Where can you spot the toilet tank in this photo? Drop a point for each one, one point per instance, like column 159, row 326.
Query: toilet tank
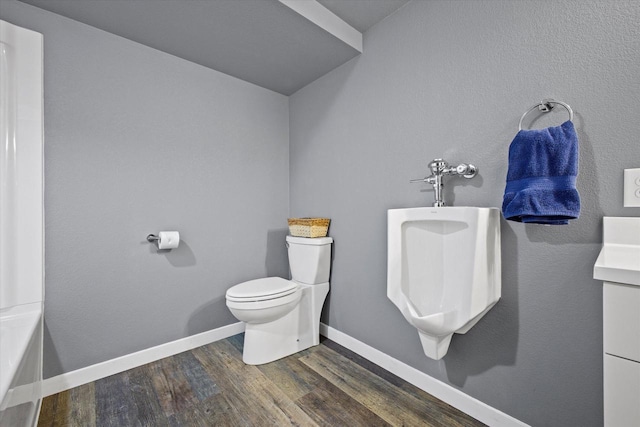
column 309, row 259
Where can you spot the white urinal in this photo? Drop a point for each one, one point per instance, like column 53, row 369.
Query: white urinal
column 444, row 269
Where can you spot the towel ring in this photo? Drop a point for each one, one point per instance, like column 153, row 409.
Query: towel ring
column 545, row 106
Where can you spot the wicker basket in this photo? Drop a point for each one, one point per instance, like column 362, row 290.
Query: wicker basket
column 309, row 227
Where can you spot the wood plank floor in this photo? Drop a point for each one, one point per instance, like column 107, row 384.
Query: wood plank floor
column 326, row 385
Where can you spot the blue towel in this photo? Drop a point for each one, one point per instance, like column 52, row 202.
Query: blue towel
column 541, row 181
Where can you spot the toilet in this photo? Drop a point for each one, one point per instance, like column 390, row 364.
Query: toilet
column 283, row 316
column 443, row 269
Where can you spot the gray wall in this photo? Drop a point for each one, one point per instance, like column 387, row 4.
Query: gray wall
column 138, row 141
column 451, row 79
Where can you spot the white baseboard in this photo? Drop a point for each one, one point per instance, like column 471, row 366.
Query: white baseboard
column 454, row 397
column 100, row 370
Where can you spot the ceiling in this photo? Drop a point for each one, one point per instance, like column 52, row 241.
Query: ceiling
column 362, row 14
column 264, row 42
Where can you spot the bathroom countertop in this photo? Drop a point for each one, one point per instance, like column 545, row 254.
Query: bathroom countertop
column 619, row 259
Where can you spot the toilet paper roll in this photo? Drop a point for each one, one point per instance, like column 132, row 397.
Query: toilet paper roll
column 168, row 239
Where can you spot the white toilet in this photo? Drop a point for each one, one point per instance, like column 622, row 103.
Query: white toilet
column 444, row 269
column 283, row 316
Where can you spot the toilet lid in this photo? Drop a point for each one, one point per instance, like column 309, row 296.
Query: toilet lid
column 261, row 289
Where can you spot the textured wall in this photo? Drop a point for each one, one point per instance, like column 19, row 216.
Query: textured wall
column 138, row 141
column 450, row 79
column 127, row 127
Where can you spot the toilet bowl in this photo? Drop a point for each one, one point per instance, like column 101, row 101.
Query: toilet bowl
column 444, row 270
column 263, row 300
column 283, row 316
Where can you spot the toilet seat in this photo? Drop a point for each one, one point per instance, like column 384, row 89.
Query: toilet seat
column 264, row 289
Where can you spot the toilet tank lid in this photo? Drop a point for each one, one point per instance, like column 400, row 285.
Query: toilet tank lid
column 316, row 241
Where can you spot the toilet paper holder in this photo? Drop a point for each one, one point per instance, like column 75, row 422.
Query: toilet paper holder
column 165, row 239
column 151, row 238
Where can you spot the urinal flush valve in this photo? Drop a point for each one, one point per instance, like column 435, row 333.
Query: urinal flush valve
column 439, row 168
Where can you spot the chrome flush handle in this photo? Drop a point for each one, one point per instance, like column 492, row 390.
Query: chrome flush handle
column 439, row 168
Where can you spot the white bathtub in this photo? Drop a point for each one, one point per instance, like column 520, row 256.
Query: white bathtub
column 18, row 325
column 21, row 225
column 20, row 364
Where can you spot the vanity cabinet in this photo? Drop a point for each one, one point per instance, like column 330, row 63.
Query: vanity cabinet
column 618, row 266
column 621, row 318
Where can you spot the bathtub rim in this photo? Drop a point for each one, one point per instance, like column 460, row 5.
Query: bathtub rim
column 18, row 325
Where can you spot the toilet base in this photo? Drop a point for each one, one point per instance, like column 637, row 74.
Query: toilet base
column 296, row 331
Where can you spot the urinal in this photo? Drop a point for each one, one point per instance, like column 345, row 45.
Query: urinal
column 444, row 269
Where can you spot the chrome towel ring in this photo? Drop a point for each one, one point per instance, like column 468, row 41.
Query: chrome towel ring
column 545, row 106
